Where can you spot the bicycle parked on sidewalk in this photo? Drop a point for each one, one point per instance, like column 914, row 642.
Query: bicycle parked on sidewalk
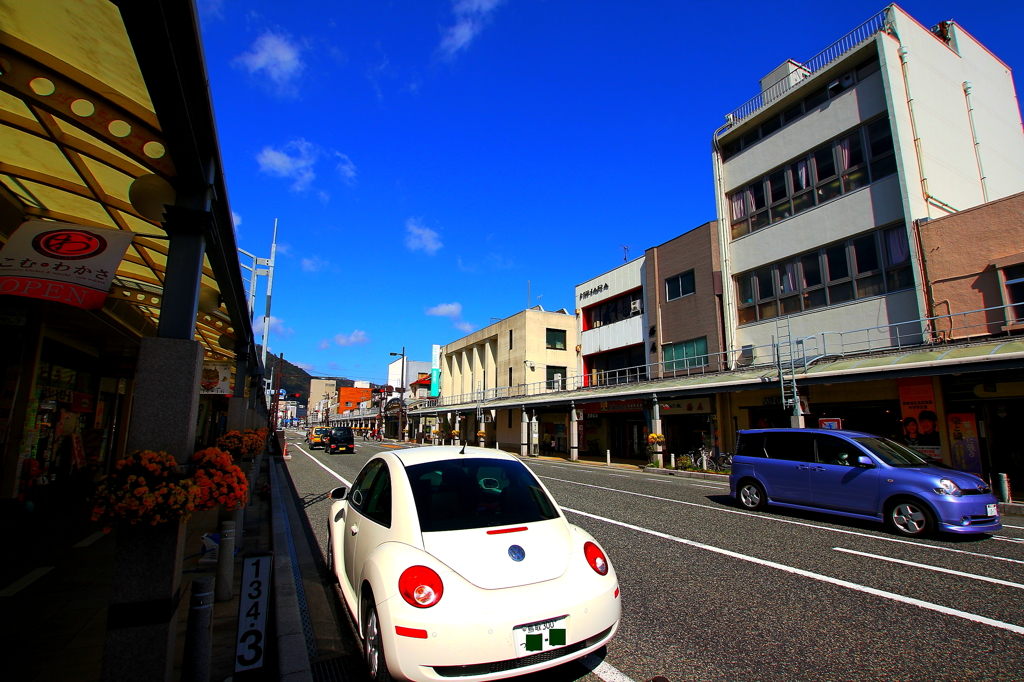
column 705, row 459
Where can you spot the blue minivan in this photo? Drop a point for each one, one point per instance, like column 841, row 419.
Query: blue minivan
column 861, row 476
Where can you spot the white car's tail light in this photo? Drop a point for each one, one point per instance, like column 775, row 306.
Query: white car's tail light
column 420, row 586
column 596, row 558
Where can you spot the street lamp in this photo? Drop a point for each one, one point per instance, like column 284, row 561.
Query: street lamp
column 401, row 395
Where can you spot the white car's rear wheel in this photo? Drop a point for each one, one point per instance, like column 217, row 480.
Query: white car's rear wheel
column 374, row 647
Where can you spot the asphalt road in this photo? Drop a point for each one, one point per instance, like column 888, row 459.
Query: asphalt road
column 711, row 592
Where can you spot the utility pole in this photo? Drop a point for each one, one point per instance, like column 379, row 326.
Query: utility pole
column 270, row 289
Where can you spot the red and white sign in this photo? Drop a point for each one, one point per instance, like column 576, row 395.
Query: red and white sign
column 834, row 424
column 62, row 262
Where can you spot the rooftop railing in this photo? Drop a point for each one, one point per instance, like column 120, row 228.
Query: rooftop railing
column 969, row 326
column 816, row 63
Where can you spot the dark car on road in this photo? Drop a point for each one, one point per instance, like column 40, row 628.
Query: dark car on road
column 862, row 476
column 339, row 439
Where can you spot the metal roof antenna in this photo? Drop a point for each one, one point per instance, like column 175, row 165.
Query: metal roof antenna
column 625, row 253
column 463, row 450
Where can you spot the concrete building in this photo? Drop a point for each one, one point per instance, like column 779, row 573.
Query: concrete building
column 611, row 323
column 820, row 177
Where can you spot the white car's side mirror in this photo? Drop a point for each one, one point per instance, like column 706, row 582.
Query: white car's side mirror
column 339, row 493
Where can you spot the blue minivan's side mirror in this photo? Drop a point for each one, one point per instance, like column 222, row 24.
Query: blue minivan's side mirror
column 865, row 461
column 339, row 493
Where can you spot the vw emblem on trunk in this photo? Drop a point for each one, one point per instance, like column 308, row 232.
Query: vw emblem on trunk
column 517, row 553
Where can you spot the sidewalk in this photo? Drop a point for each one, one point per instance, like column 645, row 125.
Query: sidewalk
column 55, row 589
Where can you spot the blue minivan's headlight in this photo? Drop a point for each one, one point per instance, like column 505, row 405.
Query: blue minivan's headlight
column 948, row 487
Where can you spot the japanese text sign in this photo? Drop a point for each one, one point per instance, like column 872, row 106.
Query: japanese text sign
column 62, row 262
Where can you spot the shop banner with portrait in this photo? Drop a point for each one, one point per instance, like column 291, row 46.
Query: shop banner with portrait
column 966, row 446
column 920, row 423
column 62, row 262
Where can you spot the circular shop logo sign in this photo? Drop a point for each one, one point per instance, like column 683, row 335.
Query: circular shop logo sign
column 68, row 244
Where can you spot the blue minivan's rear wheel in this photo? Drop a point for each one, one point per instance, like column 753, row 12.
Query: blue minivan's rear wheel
column 751, row 495
column 911, row 518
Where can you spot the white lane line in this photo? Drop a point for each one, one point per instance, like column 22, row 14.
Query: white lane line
column 702, row 485
column 816, row 576
column 26, row 580
column 1017, row 527
column 1019, row 541
column 932, row 568
column 795, row 523
column 620, row 475
column 323, row 466
column 606, row 671
column 91, row 539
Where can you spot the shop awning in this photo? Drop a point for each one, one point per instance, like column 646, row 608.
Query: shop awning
column 78, row 126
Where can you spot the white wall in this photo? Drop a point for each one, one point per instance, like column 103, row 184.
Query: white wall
column 624, row 278
column 628, row 332
column 880, row 311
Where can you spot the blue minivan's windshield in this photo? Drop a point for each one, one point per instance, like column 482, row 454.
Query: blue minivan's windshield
column 476, row 492
column 892, row 453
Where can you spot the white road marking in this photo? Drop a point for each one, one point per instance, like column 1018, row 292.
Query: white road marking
column 1017, row 629
column 322, row 465
column 606, row 671
column 1019, row 541
column 932, row 568
column 795, row 523
column 620, row 475
column 1017, row 527
column 91, row 539
column 702, row 485
column 26, row 580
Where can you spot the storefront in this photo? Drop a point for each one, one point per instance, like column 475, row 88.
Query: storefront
column 983, row 417
column 620, row 426
column 688, row 424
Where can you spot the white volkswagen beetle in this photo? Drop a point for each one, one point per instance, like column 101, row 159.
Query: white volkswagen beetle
column 459, row 564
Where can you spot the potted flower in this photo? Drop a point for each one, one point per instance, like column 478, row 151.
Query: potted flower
column 655, row 442
column 220, row 481
column 481, row 436
column 144, row 487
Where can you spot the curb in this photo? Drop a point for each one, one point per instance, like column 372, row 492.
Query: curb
column 292, row 654
column 1011, row 509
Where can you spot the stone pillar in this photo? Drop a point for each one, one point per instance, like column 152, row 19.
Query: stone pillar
column 142, row 619
column 534, row 435
column 656, row 428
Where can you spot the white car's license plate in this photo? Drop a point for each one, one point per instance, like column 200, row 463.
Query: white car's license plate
column 538, row 637
column 992, row 509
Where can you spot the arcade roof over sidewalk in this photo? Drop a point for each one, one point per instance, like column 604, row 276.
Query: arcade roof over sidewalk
column 95, row 97
column 990, row 355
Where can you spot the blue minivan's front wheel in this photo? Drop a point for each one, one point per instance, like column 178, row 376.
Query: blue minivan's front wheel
column 751, row 495
column 910, row 518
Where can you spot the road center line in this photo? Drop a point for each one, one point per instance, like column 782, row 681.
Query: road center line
column 322, row 465
column 790, row 521
column 91, row 539
column 1017, row 629
column 932, row 568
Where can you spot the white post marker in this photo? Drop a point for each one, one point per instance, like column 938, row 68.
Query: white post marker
column 250, row 645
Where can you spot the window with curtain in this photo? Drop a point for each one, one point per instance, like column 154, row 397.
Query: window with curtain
column 843, row 165
column 869, row 265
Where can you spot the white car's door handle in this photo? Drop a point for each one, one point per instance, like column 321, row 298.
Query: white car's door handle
column 354, row 528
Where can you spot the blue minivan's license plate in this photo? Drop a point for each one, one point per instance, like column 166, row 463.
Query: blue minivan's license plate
column 992, row 509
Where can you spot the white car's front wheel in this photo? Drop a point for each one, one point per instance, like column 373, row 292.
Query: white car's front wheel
column 374, row 647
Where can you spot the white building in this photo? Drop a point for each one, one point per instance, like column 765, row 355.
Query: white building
column 819, row 179
column 610, row 322
column 414, row 370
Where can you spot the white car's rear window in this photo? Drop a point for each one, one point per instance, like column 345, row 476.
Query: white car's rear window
column 476, row 492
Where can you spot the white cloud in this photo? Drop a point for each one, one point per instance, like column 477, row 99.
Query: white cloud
column 304, row 365
column 314, row 264
column 357, row 336
column 211, row 8
column 236, row 219
column 277, row 327
column 276, row 57
column 470, row 18
column 420, row 238
column 294, row 161
column 453, row 311
column 346, row 169
column 325, row 344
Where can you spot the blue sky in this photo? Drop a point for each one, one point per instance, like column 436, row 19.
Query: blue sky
column 426, row 159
